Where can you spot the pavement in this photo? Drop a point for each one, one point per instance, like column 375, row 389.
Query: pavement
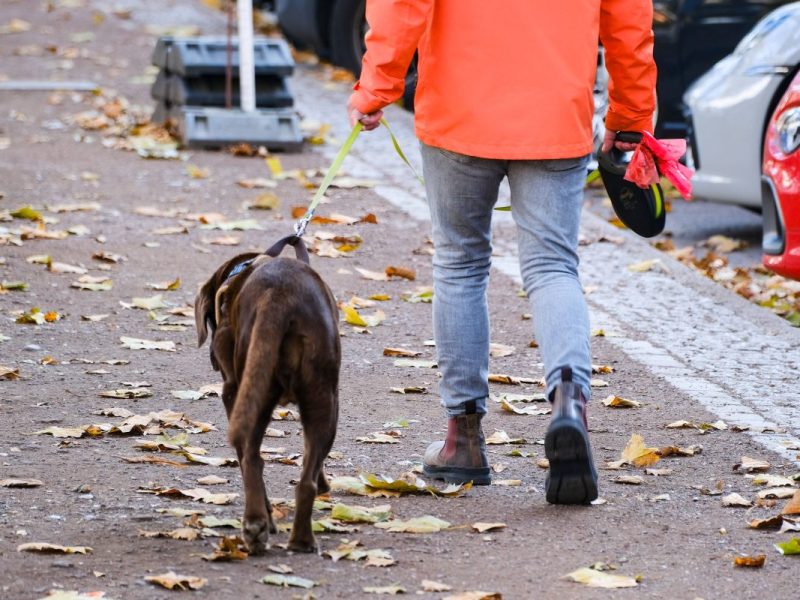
column 675, row 342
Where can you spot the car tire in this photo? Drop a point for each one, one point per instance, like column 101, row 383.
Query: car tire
column 348, row 26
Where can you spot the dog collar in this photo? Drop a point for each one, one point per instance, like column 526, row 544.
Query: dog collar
column 239, row 268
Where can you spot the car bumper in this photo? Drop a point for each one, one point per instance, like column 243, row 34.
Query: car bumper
column 781, row 241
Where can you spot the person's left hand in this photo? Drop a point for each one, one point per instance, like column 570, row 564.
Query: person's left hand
column 609, row 140
column 370, row 121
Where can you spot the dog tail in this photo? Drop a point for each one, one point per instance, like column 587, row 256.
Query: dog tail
column 254, row 398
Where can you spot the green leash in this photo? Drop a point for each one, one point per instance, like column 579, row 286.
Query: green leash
column 300, row 226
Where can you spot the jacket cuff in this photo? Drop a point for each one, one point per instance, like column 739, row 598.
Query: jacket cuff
column 365, row 102
column 617, row 122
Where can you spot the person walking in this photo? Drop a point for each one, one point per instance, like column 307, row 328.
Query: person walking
column 505, row 91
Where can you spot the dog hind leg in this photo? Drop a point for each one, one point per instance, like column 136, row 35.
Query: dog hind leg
column 319, row 426
column 252, row 411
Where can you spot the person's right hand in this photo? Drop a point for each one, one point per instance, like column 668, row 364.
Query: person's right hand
column 609, row 140
column 370, row 121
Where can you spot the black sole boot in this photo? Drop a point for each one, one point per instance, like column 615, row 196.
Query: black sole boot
column 572, row 478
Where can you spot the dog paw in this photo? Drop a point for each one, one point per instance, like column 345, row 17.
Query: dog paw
column 256, row 535
column 306, row 546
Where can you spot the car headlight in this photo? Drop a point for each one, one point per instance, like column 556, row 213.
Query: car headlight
column 788, row 126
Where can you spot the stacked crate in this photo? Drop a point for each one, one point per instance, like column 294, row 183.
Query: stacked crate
column 190, row 92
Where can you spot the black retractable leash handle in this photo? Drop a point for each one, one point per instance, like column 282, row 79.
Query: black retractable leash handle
column 640, row 209
column 300, row 250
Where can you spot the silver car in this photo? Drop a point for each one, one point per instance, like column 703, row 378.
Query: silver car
column 729, row 107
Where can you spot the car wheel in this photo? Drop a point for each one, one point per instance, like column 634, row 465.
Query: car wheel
column 348, row 28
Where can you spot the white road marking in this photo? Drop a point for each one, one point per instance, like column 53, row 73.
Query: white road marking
column 735, row 359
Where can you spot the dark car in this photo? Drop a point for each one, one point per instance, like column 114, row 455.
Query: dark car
column 691, row 36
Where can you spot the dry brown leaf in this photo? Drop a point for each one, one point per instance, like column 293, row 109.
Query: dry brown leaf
column 230, row 548
column 475, row 596
column 184, row 533
column 500, row 437
column 402, row 272
column 751, row 465
column 171, row 580
column 773, row 522
column 600, row 579
column 400, row 352
column 500, row 350
column 435, row 586
column 628, row 479
column 45, row 548
column 735, row 500
column 637, row 454
column 756, row 561
column 484, row 527
column 619, row 402
column 793, row 506
column 20, row 483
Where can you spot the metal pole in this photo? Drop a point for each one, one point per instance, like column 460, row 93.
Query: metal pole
column 247, row 74
column 229, row 58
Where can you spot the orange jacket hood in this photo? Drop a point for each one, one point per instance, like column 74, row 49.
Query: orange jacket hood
column 511, row 79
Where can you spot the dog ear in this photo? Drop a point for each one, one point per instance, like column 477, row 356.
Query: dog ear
column 204, row 309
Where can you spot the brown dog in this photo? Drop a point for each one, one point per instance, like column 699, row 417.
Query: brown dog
column 274, row 337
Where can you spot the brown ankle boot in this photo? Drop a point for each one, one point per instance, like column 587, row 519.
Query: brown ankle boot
column 461, row 458
column 572, row 478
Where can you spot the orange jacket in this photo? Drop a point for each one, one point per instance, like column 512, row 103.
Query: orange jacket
column 511, row 79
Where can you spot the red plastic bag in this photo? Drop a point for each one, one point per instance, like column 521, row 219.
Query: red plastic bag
column 653, row 157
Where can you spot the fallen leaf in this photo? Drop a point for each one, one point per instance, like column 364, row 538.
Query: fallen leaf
column 600, row 579
column 792, row 547
column 637, row 454
column 735, row 500
column 391, row 590
column 372, row 275
column 750, row 561
column 628, row 479
column 45, row 548
column 154, row 460
column 435, row 586
column 172, row 580
column 793, row 506
column 645, row 265
column 378, row 438
column 475, row 596
column 8, row 373
column 483, row 527
column 618, row 402
column 94, row 318
column 127, row 393
column 751, row 465
column 93, row 284
column 20, row 483
column 416, row 363
column 184, row 533
column 137, row 344
column 165, row 286
column 258, row 182
column 724, row 244
column 212, row 521
column 230, row 548
column 658, row 472
column 773, row 522
column 267, row 201
column 108, row 257
column 361, row 514
column 681, row 425
column 426, row 524
column 352, row 317
column 777, row 493
column 288, row 581
column 400, row 352
column 422, row 294
column 409, row 390
column 402, row 272
column 241, row 225
column 199, row 494
column 525, row 409
column 187, row 394
column 196, row 172
column 500, row 350
column 500, row 437
column 409, row 483
column 678, row 451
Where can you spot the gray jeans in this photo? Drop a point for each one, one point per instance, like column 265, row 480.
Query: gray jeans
column 546, row 199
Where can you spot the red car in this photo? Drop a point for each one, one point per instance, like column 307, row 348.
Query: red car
column 781, row 186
